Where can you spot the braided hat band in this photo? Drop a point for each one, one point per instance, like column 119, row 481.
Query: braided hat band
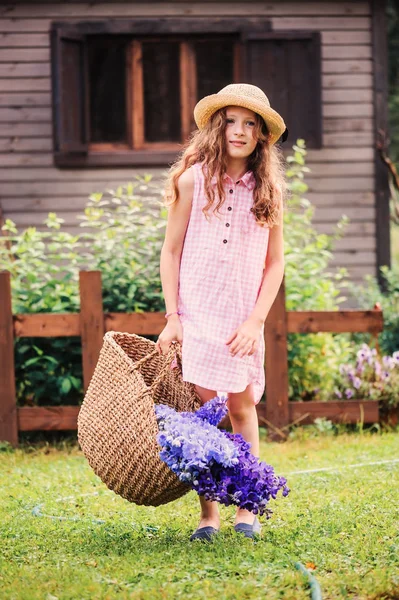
column 247, row 96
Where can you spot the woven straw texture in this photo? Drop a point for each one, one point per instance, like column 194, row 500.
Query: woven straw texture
column 245, row 95
column 117, row 426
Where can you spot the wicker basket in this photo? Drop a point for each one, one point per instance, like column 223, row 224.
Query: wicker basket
column 117, row 426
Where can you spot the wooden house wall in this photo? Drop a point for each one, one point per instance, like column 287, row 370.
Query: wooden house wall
column 342, row 173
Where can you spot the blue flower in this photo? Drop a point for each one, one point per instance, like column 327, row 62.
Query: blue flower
column 215, row 463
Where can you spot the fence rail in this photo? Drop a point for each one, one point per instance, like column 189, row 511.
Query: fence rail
column 92, row 323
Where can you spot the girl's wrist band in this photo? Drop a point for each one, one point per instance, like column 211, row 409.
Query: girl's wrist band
column 176, row 312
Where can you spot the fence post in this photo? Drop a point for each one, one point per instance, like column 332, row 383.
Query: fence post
column 8, row 397
column 276, row 362
column 91, row 321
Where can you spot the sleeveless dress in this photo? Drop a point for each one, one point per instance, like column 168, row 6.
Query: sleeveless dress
column 221, row 271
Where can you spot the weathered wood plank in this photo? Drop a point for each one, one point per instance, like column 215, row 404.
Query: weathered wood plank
column 340, row 411
column 333, row 125
column 360, row 271
column 28, row 114
column 48, row 418
column 322, row 23
column 91, row 321
column 345, row 184
column 17, row 144
column 353, row 229
column 341, row 169
column 25, row 99
column 342, row 199
column 66, row 325
column 346, row 38
column 347, row 66
column 366, row 321
column 8, row 396
column 26, row 84
column 336, row 96
column 346, row 52
column 28, row 160
column 15, row 69
column 332, row 213
column 354, row 258
column 349, row 110
column 46, row 325
column 276, row 362
column 58, row 418
column 141, row 324
column 348, row 139
column 105, row 176
column 337, row 12
column 43, row 205
column 338, row 155
column 24, row 55
column 26, row 129
column 23, row 40
column 356, row 243
column 352, row 80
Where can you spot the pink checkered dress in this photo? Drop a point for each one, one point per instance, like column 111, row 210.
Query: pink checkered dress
column 220, row 277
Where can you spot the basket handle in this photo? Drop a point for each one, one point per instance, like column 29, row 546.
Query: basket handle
column 173, row 352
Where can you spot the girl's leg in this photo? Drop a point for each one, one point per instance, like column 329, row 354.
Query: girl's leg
column 244, row 420
column 209, row 510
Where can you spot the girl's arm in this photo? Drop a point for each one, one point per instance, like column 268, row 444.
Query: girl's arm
column 178, row 218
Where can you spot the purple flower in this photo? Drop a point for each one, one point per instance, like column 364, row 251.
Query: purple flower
column 215, row 463
column 357, row 382
column 348, row 393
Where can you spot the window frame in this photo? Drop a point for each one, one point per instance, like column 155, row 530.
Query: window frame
column 162, row 153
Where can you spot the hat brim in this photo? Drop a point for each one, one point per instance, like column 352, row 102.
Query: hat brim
column 206, row 107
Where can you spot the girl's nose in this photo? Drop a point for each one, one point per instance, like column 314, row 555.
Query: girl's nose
column 238, row 129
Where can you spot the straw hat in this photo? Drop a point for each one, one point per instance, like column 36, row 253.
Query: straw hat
column 247, row 96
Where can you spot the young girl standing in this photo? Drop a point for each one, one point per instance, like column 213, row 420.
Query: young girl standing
column 222, row 261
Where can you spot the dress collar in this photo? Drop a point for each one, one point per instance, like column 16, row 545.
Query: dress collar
column 248, row 179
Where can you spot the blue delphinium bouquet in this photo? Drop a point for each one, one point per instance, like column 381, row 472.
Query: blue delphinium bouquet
column 215, row 463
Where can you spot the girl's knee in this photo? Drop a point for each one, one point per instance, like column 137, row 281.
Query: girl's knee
column 205, row 394
column 241, row 405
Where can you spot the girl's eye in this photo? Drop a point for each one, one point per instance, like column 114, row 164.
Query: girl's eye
column 230, row 120
column 251, row 123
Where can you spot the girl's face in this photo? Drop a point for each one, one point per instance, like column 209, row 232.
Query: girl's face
column 240, row 132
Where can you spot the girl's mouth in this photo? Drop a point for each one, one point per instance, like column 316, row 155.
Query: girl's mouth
column 238, row 144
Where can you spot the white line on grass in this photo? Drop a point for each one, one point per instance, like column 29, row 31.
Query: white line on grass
column 339, row 468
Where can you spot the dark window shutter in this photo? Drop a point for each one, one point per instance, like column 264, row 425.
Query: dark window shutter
column 69, row 82
column 287, row 67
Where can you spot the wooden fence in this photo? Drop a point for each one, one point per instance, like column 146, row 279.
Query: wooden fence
column 91, row 324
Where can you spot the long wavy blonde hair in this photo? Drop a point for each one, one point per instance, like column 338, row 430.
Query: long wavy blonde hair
column 208, row 146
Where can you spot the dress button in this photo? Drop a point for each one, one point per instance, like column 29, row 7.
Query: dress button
column 231, row 191
column 227, row 224
column 224, row 241
column 229, row 208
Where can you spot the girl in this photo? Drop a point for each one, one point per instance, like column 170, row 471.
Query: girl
column 222, row 260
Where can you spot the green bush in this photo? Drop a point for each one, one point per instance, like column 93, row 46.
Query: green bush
column 123, row 238
column 369, row 294
column 313, row 359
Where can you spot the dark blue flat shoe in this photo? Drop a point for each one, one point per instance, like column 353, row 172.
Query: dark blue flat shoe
column 204, row 533
column 250, row 531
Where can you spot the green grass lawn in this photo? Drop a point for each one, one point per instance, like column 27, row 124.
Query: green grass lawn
column 345, row 521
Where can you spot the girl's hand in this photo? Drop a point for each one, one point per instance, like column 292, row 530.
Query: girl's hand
column 173, row 331
column 245, row 339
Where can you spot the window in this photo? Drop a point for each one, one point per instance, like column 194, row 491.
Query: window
column 124, row 92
